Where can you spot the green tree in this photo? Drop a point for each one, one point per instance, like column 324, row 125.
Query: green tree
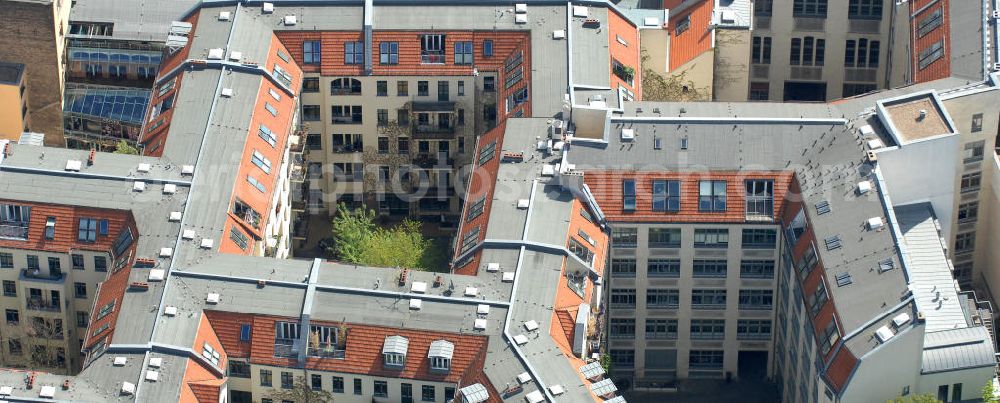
column 123, row 147
column 301, row 392
column 925, row 398
column 358, row 240
column 990, row 393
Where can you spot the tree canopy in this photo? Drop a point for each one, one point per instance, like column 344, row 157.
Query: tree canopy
column 124, row 148
column 358, row 240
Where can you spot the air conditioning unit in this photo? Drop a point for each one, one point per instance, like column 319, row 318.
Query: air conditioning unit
column 268, row 8
column 628, row 134
column 290, row 20
column 996, row 14
column 225, row 16
column 875, row 223
column 864, row 187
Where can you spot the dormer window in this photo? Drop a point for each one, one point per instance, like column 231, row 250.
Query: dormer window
column 394, row 351
column 440, row 355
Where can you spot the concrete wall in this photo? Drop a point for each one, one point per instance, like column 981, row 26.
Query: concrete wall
column 883, row 373
column 923, row 172
column 972, row 381
column 732, row 62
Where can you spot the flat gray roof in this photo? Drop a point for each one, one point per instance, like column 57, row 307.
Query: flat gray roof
column 957, row 349
column 142, row 20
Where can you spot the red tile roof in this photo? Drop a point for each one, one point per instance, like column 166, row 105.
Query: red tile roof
column 363, row 348
column 481, row 185
column 607, row 189
column 227, row 327
column 67, row 227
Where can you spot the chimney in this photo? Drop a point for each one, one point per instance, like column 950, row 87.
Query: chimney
column 923, row 114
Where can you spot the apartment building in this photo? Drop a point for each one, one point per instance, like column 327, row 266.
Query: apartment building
column 113, row 54
column 34, row 35
column 14, row 97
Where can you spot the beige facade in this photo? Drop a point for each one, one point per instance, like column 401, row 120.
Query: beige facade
column 62, row 296
column 802, row 50
column 412, row 130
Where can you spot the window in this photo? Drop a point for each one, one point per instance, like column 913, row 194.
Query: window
column 239, row 238
column 712, row 196
column 388, row 53
column 829, row 336
column 623, row 297
column 245, row 331
column 346, row 114
column 403, row 145
column 489, row 84
column 622, row 358
column 973, row 151
column 382, row 117
column 381, row 389
column 759, row 198
column 624, row 237
column 763, row 8
column 9, row 288
column 82, row 318
column 666, row 195
column 663, row 329
column 470, row 240
column 488, row 47
column 423, row 88
column 270, row 109
column 753, row 329
column 261, row 161
column 756, row 299
column 818, row 299
column 310, row 113
column 80, row 290
column 432, row 48
column 968, row 212
column 265, row 377
column 314, row 141
column 761, row 51
column 381, row 88
column 628, row 195
column 338, row 384
column 13, row 317
column 580, row 251
column 664, row 237
column 461, row 88
column 709, row 268
column 759, row 238
column 930, row 22
column 626, row 73
column 711, row 329
column 970, row 182
column 965, row 242
column 357, row 386
column 623, row 267
column 705, row 359
column 33, row 262
column 851, row 90
column 310, row 84
column 931, row 54
column 345, row 86
column 310, row 52
column 708, row 299
column 50, row 228
column 383, row 145
column 810, row 8
column 861, row 53
column 977, row 123
column 808, row 51
column 88, row 230
column 711, row 238
column 6, row 260
column 807, row 262
column 265, row 133
column 427, row 393
column 662, row 298
column 621, row 328
column 463, row 52
column 760, row 91
column 100, row 263
column 757, row 269
column 286, row 380
column 239, row 369
column 865, row 9
column 354, row 52
column 682, row 25
column 663, row 268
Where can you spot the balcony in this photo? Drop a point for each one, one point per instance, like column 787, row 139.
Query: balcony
column 429, row 131
column 40, row 304
column 354, row 119
column 284, row 348
column 14, row 230
column 432, row 57
column 327, row 350
column 39, row 275
column 296, row 170
column 433, row 107
column 343, row 148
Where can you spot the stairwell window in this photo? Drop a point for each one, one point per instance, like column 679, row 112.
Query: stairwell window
column 354, row 52
column 930, row 54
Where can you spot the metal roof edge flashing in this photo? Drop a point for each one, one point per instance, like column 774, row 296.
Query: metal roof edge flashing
column 53, row 172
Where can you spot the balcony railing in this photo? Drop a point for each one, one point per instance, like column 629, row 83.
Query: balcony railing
column 38, row 274
column 340, row 148
column 14, row 230
column 347, row 119
column 38, row 304
column 432, row 130
column 284, row 348
column 327, row 350
column 432, row 57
